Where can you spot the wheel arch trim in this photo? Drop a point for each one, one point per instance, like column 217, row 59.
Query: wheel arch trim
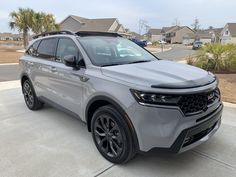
column 119, row 109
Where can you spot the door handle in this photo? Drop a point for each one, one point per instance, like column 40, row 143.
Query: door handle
column 81, row 77
column 53, row 69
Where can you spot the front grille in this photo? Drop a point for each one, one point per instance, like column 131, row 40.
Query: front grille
column 196, row 103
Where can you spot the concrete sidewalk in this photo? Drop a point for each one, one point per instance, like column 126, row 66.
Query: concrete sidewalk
column 50, row 143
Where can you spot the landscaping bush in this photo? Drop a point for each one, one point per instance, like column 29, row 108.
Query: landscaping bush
column 217, row 58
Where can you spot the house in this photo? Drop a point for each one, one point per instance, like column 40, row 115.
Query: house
column 135, row 35
column 175, row 34
column 154, row 35
column 205, row 36
column 6, row 37
column 11, row 37
column 228, row 34
column 76, row 23
column 216, row 34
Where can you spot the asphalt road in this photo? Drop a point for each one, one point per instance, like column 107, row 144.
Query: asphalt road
column 9, row 72
column 49, row 143
column 177, row 53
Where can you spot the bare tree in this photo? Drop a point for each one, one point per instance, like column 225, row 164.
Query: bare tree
column 143, row 26
column 176, row 22
column 196, row 25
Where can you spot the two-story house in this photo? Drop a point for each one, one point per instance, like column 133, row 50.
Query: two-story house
column 228, row 34
column 175, row 34
column 76, row 23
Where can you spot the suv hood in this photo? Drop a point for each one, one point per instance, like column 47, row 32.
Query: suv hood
column 160, row 74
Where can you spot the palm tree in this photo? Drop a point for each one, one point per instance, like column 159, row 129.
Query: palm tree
column 49, row 23
column 38, row 20
column 22, row 21
column 43, row 22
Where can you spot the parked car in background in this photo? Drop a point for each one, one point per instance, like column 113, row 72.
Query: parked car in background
column 162, row 42
column 139, row 42
column 131, row 100
column 197, row 45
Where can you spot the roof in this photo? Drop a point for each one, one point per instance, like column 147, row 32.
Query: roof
column 102, row 24
column 199, row 34
column 204, row 34
column 97, row 24
column 232, row 29
column 136, row 35
column 154, row 31
column 80, row 19
column 168, row 29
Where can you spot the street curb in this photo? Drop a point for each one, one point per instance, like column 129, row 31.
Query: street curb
column 182, row 61
column 6, row 85
column 232, row 105
column 5, row 64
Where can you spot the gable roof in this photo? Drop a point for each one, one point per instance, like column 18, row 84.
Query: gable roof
column 100, row 24
column 79, row 19
column 154, row 31
column 232, row 29
column 169, row 29
column 96, row 24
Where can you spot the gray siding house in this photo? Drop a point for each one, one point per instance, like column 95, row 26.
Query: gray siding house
column 154, row 35
column 76, row 23
column 175, row 34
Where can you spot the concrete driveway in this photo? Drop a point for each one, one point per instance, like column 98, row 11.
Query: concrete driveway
column 51, row 143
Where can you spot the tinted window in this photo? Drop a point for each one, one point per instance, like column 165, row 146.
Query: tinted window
column 47, row 48
column 32, row 51
column 66, row 47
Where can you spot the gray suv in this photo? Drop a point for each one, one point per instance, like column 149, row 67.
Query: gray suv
column 131, row 100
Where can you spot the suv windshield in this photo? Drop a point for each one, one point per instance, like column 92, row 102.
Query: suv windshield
column 107, row 51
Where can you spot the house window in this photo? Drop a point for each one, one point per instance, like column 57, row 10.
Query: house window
column 226, row 32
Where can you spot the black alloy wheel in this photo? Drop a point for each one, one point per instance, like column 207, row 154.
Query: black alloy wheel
column 111, row 135
column 108, row 135
column 30, row 97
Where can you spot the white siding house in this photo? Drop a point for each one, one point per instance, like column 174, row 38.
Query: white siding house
column 228, row 34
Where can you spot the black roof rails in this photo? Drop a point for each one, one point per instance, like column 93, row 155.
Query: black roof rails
column 53, row 33
column 96, row 33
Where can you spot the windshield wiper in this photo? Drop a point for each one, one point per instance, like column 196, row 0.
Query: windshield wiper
column 139, row 61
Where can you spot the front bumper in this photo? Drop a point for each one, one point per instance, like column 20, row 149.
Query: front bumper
column 168, row 130
column 194, row 136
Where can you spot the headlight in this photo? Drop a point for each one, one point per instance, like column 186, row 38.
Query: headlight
column 154, row 98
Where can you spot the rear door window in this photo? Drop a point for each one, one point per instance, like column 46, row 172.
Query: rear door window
column 47, row 48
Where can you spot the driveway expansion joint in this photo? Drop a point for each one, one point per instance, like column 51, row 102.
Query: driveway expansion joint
column 214, row 159
column 103, row 171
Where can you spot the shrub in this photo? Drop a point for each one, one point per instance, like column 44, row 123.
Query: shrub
column 216, row 58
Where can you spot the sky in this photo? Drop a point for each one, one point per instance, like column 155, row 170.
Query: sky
column 157, row 13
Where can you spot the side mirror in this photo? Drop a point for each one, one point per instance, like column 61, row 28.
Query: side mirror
column 70, row 60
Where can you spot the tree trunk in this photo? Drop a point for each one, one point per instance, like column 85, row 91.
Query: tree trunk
column 25, row 38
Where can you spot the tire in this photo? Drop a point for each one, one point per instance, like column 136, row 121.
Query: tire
column 31, row 100
column 112, row 135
